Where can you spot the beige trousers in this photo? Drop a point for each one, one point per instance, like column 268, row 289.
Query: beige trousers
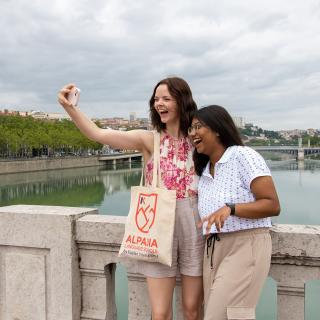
column 234, row 276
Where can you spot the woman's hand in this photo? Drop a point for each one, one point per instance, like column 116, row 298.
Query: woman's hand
column 218, row 218
column 62, row 95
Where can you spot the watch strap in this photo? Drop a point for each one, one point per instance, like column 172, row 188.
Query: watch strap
column 232, row 207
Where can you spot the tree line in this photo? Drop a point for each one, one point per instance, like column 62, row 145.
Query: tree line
column 27, row 137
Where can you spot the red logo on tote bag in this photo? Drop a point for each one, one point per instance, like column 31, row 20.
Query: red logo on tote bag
column 146, row 211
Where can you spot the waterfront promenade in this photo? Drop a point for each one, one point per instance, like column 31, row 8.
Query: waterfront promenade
column 40, row 164
column 60, row 262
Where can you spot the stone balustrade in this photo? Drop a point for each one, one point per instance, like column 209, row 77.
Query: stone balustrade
column 60, row 262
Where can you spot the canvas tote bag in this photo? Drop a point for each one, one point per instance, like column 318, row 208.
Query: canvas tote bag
column 150, row 223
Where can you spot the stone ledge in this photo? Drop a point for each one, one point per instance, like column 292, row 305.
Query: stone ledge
column 52, row 210
column 298, row 242
column 100, row 229
column 31, row 225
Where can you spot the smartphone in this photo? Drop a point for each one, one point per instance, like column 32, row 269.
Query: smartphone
column 73, row 96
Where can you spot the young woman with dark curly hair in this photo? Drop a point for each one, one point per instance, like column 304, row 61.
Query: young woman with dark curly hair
column 236, row 198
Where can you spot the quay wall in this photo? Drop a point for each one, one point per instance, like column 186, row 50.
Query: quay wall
column 60, row 263
column 26, row 165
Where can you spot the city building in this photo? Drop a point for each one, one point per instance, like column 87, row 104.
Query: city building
column 113, row 122
column 7, row 112
column 132, row 116
column 48, row 116
column 36, row 114
column 239, row 122
column 311, row 132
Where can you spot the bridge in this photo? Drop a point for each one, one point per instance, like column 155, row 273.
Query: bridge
column 298, row 151
column 122, row 157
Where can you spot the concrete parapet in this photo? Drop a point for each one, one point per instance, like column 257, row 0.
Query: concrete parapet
column 296, row 244
column 39, row 274
column 295, row 260
column 65, row 260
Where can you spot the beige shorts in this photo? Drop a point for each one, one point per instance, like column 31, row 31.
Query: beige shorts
column 233, row 279
column 187, row 248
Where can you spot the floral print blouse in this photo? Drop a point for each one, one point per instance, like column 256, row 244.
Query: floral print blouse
column 176, row 166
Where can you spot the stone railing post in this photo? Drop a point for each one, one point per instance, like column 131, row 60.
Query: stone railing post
column 99, row 239
column 290, row 292
column 139, row 306
column 295, row 260
column 39, row 273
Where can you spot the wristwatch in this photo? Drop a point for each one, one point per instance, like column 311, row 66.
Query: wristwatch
column 232, row 207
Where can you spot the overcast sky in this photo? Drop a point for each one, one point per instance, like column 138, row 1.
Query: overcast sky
column 259, row 59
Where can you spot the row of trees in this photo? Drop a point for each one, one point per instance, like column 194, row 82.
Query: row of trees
column 26, row 137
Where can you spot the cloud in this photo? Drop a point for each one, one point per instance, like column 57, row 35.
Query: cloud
column 258, row 59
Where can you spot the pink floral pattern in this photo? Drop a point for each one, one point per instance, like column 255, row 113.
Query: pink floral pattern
column 176, row 166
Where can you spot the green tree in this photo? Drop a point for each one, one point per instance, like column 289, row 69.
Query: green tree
column 22, row 136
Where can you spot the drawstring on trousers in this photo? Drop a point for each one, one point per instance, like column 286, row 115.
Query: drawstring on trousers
column 210, row 242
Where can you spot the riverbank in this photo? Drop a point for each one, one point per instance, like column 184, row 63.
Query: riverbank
column 28, row 165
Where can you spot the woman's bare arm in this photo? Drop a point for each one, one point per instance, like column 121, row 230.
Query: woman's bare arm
column 141, row 140
column 266, row 204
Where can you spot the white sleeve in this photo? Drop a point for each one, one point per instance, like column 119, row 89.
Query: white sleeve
column 251, row 166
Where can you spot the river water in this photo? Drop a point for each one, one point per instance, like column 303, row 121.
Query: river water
column 108, row 189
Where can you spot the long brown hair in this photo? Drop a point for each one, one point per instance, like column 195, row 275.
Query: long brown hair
column 181, row 92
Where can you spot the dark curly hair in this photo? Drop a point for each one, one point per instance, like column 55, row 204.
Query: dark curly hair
column 218, row 120
column 181, row 92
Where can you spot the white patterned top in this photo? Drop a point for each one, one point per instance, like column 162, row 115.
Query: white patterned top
column 233, row 174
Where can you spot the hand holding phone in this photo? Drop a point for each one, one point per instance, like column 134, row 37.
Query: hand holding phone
column 73, row 96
